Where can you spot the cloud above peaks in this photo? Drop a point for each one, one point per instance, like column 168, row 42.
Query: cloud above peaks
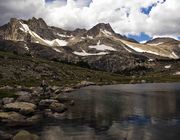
column 153, row 17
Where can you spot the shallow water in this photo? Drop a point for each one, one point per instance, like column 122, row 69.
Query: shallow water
column 120, row 112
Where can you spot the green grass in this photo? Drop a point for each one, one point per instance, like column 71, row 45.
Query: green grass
column 28, row 71
column 7, row 93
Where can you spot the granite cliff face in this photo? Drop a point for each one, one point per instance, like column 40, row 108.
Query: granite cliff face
column 97, row 48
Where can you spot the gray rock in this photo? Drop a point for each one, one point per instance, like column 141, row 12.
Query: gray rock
column 46, row 103
column 11, row 118
column 84, row 84
column 7, row 87
column 33, row 120
column 72, row 102
column 58, row 107
column 22, row 107
column 7, row 100
column 24, row 98
column 67, row 89
column 62, row 98
column 21, row 93
column 16, row 119
column 55, row 115
column 25, row 135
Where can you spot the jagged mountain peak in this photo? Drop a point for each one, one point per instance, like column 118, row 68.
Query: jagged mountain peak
column 34, row 22
column 104, row 28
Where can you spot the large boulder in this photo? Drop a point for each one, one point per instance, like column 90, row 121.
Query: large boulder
column 62, row 98
column 24, row 98
column 58, row 107
column 22, row 107
column 25, row 135
column 16, row 119
column 11, row 118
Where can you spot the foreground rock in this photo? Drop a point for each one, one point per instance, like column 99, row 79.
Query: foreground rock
column 11, row 117
column 22, row 107
column 25, row 135
column 16, row 119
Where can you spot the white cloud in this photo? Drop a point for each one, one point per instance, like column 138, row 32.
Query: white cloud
column 125, row 16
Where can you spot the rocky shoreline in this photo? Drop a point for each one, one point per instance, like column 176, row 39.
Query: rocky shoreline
column 32, row 105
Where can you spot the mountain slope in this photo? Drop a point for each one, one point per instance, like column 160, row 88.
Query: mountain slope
column 99, row 47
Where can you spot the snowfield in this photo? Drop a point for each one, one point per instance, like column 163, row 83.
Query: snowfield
column 102, row 47
column 37, row 38
column 84, row 53
column 141, row 50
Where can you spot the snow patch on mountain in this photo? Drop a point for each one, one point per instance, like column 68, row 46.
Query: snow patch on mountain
column 155, row 44
column 177, row 73
column 62, row 35
column 172, row 55
column 102, row 47
column 57, row 50
column 84, row 53
column 37, row 38
column 90, row 37
column 167, row 66
column 26, row 47
column 105, row 32
column 127, row 49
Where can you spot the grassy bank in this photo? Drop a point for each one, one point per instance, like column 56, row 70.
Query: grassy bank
column 28, row 71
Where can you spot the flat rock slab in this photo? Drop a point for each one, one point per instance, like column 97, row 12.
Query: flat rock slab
column 22, row 107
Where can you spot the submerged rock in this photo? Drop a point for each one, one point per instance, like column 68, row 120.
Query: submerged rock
column 62, row 98
column 58, row 107
column 22, row 107
column 25, row 135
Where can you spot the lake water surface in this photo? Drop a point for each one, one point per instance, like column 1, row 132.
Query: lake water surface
column 120, row 112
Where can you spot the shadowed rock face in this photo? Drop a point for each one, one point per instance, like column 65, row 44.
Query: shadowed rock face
column 94, row 31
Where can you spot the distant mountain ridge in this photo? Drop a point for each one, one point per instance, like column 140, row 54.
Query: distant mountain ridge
column 100, row 47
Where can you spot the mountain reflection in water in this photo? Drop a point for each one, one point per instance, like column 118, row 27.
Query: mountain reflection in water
column 120, row 112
